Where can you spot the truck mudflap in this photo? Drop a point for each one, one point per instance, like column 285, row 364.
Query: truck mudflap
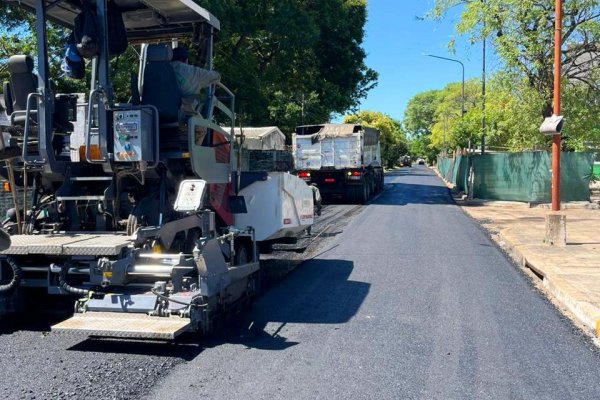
column 125, row 325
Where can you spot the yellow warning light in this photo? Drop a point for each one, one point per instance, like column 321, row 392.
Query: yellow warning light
column 94, row 153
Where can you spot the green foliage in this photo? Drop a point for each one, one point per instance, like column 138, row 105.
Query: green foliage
column 420, row 147
column 512, row 116
column 274, row 53
column 517, row 97
column 393, row 138
column 419, row 115
column 523, row 36
column 448, row 129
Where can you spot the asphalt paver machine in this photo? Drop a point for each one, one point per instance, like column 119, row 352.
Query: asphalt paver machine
column 138, row 212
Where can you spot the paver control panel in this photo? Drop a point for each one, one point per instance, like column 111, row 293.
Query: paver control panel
column 133, row 135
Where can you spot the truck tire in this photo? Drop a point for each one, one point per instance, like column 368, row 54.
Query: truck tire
column 349, row 196
column 361, row 194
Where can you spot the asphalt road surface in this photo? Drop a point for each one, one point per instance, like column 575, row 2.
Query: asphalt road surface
column 410, row 300
column 403, row 298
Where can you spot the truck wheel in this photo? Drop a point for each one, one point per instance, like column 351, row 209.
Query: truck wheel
column 350, row 195
column 361, row 194
column 242, row 254
column 365, row 195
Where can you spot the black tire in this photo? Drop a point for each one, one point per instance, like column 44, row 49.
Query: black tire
column 242, row 254
column 361, row 194
column 350, row 196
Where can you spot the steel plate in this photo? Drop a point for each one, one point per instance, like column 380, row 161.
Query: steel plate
column 124, row 325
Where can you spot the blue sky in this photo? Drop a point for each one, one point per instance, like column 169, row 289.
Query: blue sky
column 395, row 41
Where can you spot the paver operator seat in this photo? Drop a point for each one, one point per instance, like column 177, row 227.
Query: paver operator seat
column 22, row 83
column 160, row 87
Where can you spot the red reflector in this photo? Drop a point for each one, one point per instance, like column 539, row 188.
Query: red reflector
column 329, row 180
column 287, row 221
column 355, row 173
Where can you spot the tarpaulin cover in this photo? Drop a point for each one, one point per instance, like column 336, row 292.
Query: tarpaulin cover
column 520, row 176
column 527, row 177
column 325, row 131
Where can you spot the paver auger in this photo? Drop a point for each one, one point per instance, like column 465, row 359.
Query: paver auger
column 139, row 213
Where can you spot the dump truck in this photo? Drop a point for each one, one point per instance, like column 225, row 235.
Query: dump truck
column 140, row 215
column 342, row 160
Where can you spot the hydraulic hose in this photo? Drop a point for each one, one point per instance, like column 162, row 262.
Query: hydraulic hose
column 16, row 279
column 62, row 281
column 183, row 303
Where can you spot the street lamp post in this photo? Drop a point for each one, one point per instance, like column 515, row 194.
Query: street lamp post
column 462, row 111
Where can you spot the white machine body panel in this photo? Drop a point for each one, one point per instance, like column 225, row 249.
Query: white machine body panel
column 278, row 207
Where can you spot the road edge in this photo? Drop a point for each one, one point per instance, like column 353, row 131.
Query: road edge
column 585, row 315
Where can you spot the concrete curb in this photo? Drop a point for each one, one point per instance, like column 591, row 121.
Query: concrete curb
column 587, row 314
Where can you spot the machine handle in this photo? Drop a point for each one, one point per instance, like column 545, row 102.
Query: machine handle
column 27, row 116
column 156, row 136
column 88, row 129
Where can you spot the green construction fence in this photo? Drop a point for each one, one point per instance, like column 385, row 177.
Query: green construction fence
column 519, row 176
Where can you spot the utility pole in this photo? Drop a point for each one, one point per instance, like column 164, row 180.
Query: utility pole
column 556, row 138
column 483, row 90
column 462, row 66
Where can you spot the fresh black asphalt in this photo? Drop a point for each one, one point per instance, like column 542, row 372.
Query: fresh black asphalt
column 406, row 299
column 411, row 300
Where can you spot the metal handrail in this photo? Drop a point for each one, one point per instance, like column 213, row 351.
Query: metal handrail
column 230, row 93
column 156, row 136
column 88, row 130
column 26, row 128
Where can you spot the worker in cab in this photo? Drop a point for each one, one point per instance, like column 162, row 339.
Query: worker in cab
column 191, row 80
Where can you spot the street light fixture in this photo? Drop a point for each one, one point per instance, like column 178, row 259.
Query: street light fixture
column 462, row 113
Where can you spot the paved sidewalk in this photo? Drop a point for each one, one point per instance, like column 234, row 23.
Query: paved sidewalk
column 571, row 273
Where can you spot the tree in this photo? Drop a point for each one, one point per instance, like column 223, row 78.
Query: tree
column 419, row 115
column 449, row 130
column 420, row 147
column 17, row 36
column 275, row 53
column 523, row 35
column 271, row 53
column 393, row 138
